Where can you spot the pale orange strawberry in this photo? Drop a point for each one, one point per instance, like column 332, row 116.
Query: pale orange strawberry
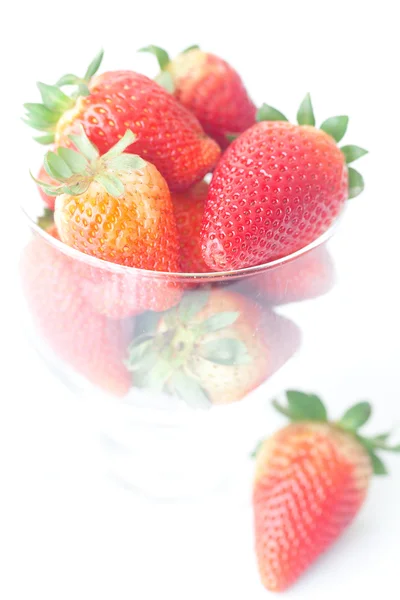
column 117, row 208
column 214, row 347
column 311, row 480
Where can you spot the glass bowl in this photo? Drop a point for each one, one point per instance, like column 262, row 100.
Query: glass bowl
column 176, row 369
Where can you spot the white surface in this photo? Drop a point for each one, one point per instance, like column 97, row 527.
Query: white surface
column 65, row 532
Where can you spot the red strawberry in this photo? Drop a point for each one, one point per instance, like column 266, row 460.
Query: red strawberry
column 43, row 176
column 210, row 88
column 91, row 344
column 307, row 276
column 311, row 479
column 277, row 188
column 216, row 346
column 168, row 135
column 189, row 209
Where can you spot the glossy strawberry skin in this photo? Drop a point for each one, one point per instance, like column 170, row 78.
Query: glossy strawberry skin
column 43, row 176
column 311, row 480
column 277, row 188
column 189, row 209
column 136, row 229
column 168, row 135
column 210, row 88
column 92, row 345
column 305, row 277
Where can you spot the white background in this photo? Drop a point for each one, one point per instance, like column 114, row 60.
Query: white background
column 65, row 532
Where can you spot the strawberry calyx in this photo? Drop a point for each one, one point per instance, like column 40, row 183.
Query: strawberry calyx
column 76, row 169
column 164, row 78
column 303, row 406
column 46, row 115
column 336, row 127
column 46, row 220
column 164, row 358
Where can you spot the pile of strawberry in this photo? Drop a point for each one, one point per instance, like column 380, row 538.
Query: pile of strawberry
column 127, row 170
column 277, row 186
column 125, row 182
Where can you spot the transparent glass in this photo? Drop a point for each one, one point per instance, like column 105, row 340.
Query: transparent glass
column 177, row 368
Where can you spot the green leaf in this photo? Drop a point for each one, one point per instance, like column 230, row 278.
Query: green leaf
column 111, row 184
column 170, row 317
column 47, row 219
column 256, row 450
column 126, row 162
column 137, row 353
column 335, row 127
column 159, row 374
column 45, row 139
column 75, row 161
column 356, row 416
column 166, row 81
column 226, row 351
column 378, row 466
column 51, row 190
column 160, row 54
column 268, row 113
column 352, row 153
column 54, row 99
column 305, row 114
column 356, row 183
column 305, row 407
column 282, row 409
column 68, row 80
column 382, row 437
column 82, row 90
column 191, row 304
column 56, row 167
column 40, row 113
column 219, row 321
column 189, row 48
column 231, row 137
column 94, row 65
column 118, row 148
column 75, row 189
column 189, row 390
column 84, row 145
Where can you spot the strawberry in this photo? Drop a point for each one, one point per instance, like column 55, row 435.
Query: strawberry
column 210, row 88
column 215, row 347
column 277, row 188
column 117, row 207
column 43, row 176
column 91, row 344
column 308, row 276
column 311, row 480
column 168, row 135
column 189, row 209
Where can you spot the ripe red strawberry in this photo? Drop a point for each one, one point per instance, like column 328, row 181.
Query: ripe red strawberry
column 43, row 176
column 307, row 276
column 210, row 88
column 189, row 209
column 168, row 135
column 277, row 188
column 216, row 346
column 311, row 479
column 91, row 344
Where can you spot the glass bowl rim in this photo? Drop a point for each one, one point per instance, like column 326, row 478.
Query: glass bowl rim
column 211, row 275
